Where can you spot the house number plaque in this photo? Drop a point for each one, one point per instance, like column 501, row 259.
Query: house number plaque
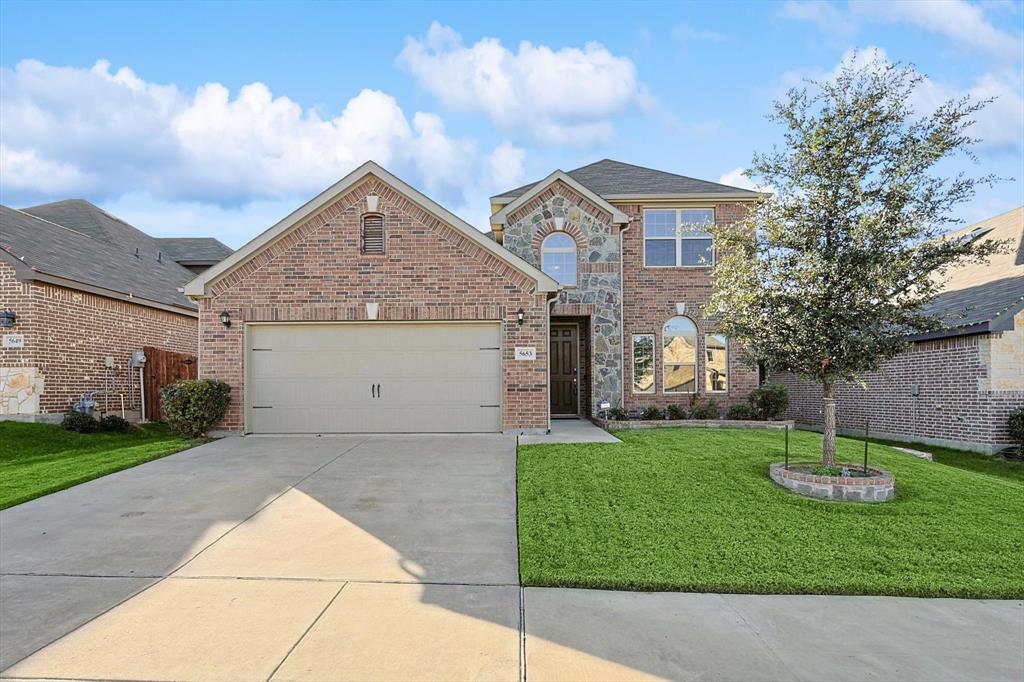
column 526, row 353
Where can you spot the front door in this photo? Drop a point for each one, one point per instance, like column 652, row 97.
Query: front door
column 565, row 370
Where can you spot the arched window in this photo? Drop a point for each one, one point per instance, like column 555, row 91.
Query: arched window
column 679, row 355
column 371, row 233
column 558, row 258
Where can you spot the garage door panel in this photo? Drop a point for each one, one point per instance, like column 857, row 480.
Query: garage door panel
column 316, row 378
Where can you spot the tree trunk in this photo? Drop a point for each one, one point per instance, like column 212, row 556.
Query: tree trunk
column 828, row 437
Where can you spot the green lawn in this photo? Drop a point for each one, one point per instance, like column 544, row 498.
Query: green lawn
column 962, row 459
column 38, row 459
column 694, row 510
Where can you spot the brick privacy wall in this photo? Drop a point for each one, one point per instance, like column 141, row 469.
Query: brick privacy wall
column 953, row 404
column 649, row 300
column 430, row 271
column 69, row 333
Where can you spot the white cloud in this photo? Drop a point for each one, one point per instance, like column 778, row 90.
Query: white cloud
column 999, row 126
column 566, row 96
column 736, row 178
column 505, row 166
column 89, row 131
column 961, row 22
column 687, row 33
column 826, row 16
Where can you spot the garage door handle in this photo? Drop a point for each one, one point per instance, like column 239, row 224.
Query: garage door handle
column 373, row 390
column 378, row 390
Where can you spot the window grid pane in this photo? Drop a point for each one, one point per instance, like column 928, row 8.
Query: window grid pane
column 679, row 355
column 558, row 258
column 660, row 252
column 643, row 363
column 696, row 252
column 716, row 367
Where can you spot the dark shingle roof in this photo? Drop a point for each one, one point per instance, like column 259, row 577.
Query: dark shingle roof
column 94, row 222
column 197, row 250
column 52, row 249
column 979, row 297
column 614, row 178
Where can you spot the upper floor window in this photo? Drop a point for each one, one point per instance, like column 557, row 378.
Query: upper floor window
column 679, row 355
column 716, row 364
column 678, row 237
column 371, row 233
column 558, row 258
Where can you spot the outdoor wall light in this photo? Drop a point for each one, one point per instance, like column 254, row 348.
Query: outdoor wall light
column 7, row 318
column 225, row 319
column 520, row 315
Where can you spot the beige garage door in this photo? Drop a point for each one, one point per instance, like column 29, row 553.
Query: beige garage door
column 374, row 378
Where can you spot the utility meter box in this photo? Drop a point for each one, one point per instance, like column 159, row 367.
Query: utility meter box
column 108, row 362
column 138, row 359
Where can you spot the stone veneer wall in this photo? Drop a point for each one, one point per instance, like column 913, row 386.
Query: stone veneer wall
column 429, row 271
column 650, row 298
column 68, row 334
column 598, row 290
column 967, row 387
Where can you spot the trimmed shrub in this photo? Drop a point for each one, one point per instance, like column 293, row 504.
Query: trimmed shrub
column 676, row 412
column 652, row 413
column 618, row 414
column 770, row 401
column 80, row 422
column 112, row 422
column 1015, row 425
column 194, row 406
column 741, row 411
column 705, row 410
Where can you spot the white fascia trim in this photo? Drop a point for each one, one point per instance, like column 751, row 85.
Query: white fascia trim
column 618, row 217
column 198, row 287
column 690, row 196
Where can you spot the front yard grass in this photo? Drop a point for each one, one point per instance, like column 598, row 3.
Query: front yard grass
column 694, row 510
column 39, row 459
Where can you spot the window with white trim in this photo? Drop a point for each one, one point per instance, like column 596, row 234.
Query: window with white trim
column 679, row 355
column 558, row 258
column 716, row 363
column 678, row 237
column 371, row 234
column 643, row 363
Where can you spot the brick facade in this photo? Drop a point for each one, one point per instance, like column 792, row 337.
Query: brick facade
column 650, row 296
column 69, row 333
column 430, row 271
column 967, row 387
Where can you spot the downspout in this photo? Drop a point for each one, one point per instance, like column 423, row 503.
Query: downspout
column 547, row 337
column 622, row 320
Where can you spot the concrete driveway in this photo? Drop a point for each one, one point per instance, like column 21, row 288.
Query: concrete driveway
column 394, row 557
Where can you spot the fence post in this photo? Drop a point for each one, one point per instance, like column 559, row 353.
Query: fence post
column 867, row 429
column 786, row 465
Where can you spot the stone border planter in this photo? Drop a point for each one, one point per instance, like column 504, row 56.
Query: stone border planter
column 700, row 423
column 879, row 488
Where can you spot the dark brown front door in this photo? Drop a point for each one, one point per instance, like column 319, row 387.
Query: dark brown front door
column 564, row 370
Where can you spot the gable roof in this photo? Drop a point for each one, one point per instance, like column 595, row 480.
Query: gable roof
column 984, row 297
column 198, row 287
column 617, row 180
column 94, row 222
column 194, row 250
column 39, row 249
column 499, row 218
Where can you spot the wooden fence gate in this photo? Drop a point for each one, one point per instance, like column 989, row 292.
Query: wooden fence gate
column 164, row 367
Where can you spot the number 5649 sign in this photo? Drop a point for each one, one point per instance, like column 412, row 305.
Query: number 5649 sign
column 526, row 353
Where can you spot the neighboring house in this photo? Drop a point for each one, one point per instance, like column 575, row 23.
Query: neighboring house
column 955, row 386
column 372, row 308
column 83, row 286
column 195, row 253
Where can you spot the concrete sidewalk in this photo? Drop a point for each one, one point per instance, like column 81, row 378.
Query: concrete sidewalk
column 394, row 558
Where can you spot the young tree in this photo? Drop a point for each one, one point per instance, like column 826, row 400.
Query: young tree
column 828, row 275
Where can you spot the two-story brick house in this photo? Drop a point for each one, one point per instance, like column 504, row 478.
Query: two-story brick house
column 629, row 246
column 372, row 308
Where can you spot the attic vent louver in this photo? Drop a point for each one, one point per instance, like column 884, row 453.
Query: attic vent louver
column 371, row 234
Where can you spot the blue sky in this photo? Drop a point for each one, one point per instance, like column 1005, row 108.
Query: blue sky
column 204, row 118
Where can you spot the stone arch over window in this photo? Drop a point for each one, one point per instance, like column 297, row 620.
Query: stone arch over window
column 679, row 355
column 558, row 257
column 548, row 227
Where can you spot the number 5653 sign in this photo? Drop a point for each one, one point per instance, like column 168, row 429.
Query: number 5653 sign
column 526, row 353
